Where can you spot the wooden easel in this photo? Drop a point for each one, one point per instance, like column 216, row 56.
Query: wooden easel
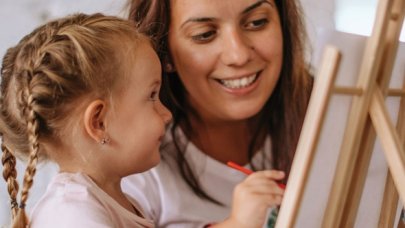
column 368, row 116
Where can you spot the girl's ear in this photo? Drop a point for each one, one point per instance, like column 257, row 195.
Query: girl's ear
column 94, row 120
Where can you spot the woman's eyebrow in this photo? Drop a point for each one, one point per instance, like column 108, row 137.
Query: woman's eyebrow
column 210, row 19
column 255, row 5
column 197, row 19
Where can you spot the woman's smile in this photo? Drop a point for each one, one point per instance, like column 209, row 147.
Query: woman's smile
column 240, row 85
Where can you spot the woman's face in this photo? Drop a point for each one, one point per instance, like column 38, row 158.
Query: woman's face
column 227, row 53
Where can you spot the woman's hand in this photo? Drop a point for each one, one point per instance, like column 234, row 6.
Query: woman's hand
column 253, row 197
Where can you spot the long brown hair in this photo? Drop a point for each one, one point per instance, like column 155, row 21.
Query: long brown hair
column 282, row 115
column 43, row 78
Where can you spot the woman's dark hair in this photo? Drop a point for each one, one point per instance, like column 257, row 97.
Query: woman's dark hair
column 290, row 96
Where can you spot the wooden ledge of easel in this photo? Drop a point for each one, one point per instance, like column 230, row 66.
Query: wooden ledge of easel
column 359, row 91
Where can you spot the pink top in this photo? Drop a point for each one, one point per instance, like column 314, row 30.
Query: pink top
column 74, row 200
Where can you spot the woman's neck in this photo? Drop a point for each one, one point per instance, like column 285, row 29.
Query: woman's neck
column 223, row 141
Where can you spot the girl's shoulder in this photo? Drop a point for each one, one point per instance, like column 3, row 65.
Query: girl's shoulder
column 74, row 200
column 69, row 200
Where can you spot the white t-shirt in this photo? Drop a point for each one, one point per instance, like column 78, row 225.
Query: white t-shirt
column 170, row 202
column 74, row 200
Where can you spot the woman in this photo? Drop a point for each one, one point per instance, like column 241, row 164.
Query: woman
column 237, row 84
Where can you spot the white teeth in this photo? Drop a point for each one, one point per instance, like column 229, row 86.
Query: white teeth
column 239, row 83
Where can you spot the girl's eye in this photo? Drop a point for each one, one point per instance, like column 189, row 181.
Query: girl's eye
column 257, row 24
column 204, row 37
column 153, row 96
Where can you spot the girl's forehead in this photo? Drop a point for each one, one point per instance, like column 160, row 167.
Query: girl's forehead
column 142, row 62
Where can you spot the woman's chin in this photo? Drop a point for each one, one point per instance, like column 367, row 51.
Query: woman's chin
column 239, row 113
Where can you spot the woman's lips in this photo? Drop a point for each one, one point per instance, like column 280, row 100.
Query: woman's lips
column 240, row 86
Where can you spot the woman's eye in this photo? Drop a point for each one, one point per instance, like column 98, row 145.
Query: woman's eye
column 257, row 24
column 153, row 96
column 204, row 37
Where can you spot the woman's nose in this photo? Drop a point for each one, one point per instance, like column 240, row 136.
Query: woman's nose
column 236, row 50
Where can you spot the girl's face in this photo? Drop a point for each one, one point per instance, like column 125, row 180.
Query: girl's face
column 138, row 118
column 227, row 53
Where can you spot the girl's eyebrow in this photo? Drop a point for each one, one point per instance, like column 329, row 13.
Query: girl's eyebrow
column 154, row 83
column 255, row 5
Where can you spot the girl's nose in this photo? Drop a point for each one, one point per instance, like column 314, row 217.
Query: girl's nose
column 164, row 112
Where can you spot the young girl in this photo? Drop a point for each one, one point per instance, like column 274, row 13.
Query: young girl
column 83, row 91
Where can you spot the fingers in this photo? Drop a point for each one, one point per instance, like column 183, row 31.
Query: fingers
column 263, row 187
column 267, row 179
column 267, row 188
column 270, row 174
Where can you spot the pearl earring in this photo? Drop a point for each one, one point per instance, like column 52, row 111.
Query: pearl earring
column 104, row 141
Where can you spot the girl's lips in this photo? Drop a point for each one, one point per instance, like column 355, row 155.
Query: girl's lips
column 243, row 90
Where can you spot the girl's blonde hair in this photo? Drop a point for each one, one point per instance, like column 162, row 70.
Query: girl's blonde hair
column 41, row 79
